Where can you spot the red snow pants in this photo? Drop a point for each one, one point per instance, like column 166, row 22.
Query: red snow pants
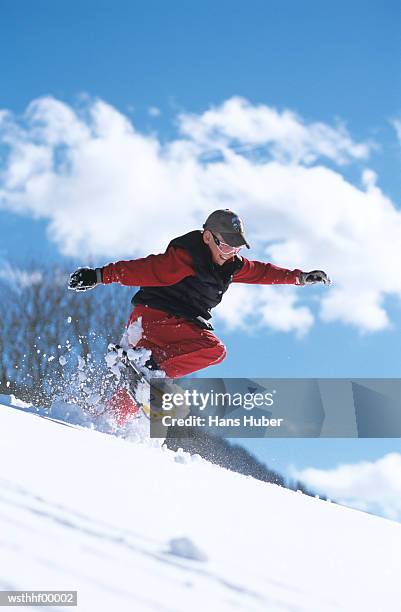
column 178, row 346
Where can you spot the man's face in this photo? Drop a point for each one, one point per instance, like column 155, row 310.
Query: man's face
column 218, row 257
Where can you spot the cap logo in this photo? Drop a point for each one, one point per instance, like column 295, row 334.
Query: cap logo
column 236, row 223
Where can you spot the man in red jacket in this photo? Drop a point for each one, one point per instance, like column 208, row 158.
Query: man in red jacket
column 179, row 288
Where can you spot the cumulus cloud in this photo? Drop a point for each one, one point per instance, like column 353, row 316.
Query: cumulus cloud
column 110, row 191
column 373, row 486
column 275, row 307
column 283, row 134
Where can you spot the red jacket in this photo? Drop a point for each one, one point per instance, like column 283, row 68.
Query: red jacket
column 176, row 263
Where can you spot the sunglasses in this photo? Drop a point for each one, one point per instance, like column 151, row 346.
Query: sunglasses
column 225, row 248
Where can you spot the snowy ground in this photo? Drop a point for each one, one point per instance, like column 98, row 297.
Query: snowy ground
column 138, row 528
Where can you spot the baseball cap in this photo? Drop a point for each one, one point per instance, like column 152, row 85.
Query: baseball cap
column 229, row 225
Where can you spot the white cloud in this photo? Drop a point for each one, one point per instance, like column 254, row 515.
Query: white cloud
column 372, row 486
column 287, row 136
column 109, row 191
column 255, row 307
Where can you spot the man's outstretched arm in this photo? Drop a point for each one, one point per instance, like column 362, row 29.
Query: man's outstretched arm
column 260, row 273
column 152, row 271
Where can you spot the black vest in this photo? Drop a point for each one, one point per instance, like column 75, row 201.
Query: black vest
column 194, row 296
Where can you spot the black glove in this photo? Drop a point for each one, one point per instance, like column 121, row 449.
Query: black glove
column 85, row 278
column 316, row 276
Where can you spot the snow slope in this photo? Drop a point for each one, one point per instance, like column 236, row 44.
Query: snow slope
column 134, row 527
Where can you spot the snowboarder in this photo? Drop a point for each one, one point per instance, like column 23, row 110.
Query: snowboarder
column 179, row 288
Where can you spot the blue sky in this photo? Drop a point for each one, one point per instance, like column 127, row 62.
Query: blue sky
column 324, row 63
